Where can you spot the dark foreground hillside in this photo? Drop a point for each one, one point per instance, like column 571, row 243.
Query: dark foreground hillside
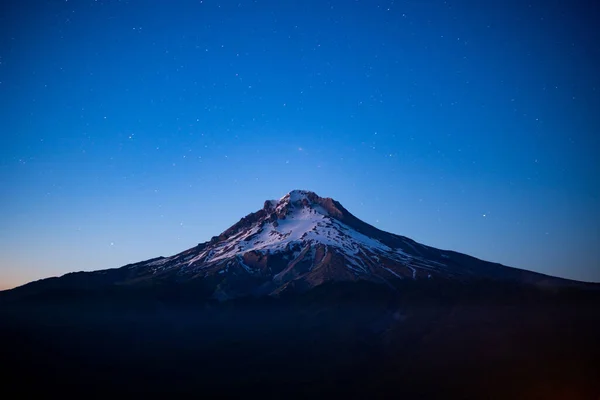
column 425, row 340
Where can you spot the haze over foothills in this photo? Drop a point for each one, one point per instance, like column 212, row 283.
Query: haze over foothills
column 137, row 129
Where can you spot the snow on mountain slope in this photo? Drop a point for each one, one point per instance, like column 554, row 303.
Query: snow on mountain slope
column 302, row 224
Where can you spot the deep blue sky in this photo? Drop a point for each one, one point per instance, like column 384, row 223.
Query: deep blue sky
column 133, row 129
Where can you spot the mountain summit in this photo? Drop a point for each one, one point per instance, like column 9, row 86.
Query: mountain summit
column 297, row 243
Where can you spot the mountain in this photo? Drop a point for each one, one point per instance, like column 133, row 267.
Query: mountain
column 302, row 298
column 297, row 243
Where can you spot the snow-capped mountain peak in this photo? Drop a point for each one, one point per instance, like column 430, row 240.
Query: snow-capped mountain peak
column 296, row 196
column 299, row 199
column 296, row 243
column 299, row 219
column 303, row 240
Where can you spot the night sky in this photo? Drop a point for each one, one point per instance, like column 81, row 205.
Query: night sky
column 134, row 129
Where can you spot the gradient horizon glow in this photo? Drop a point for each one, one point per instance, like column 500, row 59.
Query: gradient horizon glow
column 135, row 129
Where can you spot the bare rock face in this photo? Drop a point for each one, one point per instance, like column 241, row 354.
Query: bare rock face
column 269, row 205
column 330, row 206
column 257, row 261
